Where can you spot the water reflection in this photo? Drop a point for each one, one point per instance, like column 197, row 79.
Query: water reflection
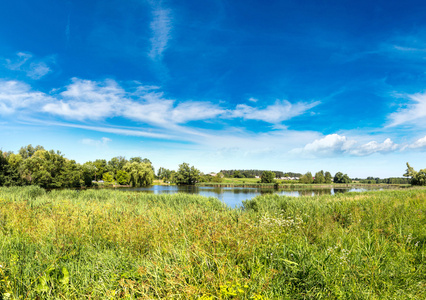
column 233, row 196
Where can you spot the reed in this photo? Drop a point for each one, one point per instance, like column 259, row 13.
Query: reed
column 108, row 244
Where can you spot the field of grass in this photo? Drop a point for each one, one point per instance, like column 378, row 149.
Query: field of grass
column 109, row 244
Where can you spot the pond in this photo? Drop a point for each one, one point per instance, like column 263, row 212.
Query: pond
column 233, row 196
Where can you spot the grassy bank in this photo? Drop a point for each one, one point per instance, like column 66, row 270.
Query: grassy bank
column 107, row 244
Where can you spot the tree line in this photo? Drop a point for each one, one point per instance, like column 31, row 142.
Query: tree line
column 256, row 173
column 51, row 169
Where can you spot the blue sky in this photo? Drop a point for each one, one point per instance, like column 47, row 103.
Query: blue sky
column 282, row 85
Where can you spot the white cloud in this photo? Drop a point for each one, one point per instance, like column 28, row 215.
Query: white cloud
column 420, row 143
column 375, row 147
column 102, row 142
column 86, row 99
column 334, row 144
column 33, row 68
column 37, row 70
column 328, row 145
column 414, row 112
column 16, row 95
column 161, row 26
column 193, row 111
column 276, row 113
column 251, row 99
column 17, row 63
column 91, row 100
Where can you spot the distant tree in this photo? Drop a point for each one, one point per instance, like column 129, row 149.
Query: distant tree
column 218, row 177
column 339, row 177
column 307, row 178
column 237, row 174
column 319, row 177
column 164, row 174
column 327, row 177
column 187, row 175
column 267, row 177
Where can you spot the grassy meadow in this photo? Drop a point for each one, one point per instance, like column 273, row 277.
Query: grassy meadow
column 108, row 244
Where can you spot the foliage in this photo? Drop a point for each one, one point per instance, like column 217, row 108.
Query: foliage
column 327, row 177
column 164, row 174
column 254, row 173
column 307, row 178
column 417, row 178
column 122, row 177
column 187, row 175
column 117, row 163
column 105, row 244
column 237, row 174
column 267, row 177
column 319, row 177
column 108, row 178
column 339, row 177
column 140, row 173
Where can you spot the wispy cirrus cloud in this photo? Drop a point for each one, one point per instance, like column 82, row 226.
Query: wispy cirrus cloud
column 91, row 100
column 93, row 105
column 161, row 26
column 414, row 112
column 276, row 113
column 32, row 67
column 102, row 142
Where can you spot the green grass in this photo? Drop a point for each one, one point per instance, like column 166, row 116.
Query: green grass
column 107, row 244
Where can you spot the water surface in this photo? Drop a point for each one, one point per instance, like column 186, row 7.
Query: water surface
column 233, row 196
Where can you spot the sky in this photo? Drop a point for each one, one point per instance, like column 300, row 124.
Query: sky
column 273, row 85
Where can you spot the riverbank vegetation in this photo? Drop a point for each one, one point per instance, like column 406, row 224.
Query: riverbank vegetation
column 51, row 169
column 108, row 244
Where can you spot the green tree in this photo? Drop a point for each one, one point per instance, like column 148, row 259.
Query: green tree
column 187, row 175
column 218, row 177
column 108, row 178
column 319, row 177
column 142, row 160
column 237, row 174
column 28, row 151
column 72, row 174
column 267, row 177
column 307, row 178
column 122, row 177
column 140, row 174
column 339, row 177
column 164, row 174
column 327, row 177
column 88, row 173
column 117, row 163
column 417, row 178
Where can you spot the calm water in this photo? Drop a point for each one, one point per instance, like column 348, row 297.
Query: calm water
column 233, row 196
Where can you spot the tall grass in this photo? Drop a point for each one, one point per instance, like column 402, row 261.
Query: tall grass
column 105, row 244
